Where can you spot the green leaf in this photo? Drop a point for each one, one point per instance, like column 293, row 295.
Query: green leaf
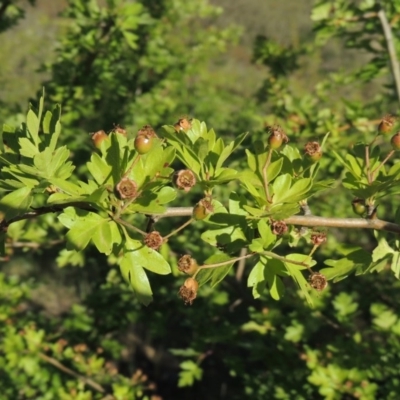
column 355, row 257
column 189, row 374
column 228, row 150
column 256, row 279
column 201, row 148
column 136, row 276
column 147, row 258
column 271, row 272
column 100, row 170
column 55, row 127
column 85, row 228
column 216, row 274
column 102, row 237
column 295, row 272
column 32, row 123
column 16, row 202
column 281, row 187
column 268, row 238
column 28, row 149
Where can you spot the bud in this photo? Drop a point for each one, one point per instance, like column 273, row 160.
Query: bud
column 277, row 137
column 318, row 281
column 279, row 228
column 202, row 209
column 188, row 291
column 395, row 141
column 184, row 179
column 187, row 264
column 386, row 125
column 359, row 206
column 153, row 240
column 127, row 188
column 313, row 151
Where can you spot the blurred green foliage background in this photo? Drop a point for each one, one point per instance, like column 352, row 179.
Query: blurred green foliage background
column 71, row 329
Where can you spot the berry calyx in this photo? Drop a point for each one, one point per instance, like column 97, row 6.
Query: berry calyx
column 98, row 138
column 187, row 264
column 147, row 130
column 386, row 125
column 313, row 151
column 395, row 141
column 188, row 291
column 277, row 137
column 318, row 238
column 143, row 144
column 279, row 228
column 119, row 130
column 127, row 188
column 318, row 281
column 202, row 209
column 184, row 179
column 154, row 240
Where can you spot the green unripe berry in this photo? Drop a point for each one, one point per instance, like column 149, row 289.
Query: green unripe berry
column 359, row 207
column 202, row 209
column 143, row 144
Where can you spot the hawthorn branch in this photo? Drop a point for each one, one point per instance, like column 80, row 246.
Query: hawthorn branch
column 346, row 223
column 61, row 367
column 302, row 220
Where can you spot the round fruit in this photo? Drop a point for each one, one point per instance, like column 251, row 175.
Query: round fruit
column 275, row 141
column 187, row 264
column 386, row 125
column 395, row 141
column 98, row 138
column 359, row 206
column 202, row 209
column 313, row 151
column 277, row 137
column 143, row 144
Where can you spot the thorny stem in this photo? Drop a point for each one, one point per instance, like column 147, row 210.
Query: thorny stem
column 265, row 176
column 391, row 152
column 188, row 222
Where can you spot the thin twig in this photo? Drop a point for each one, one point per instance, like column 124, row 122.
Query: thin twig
column 391, row 152
column 34, row 245
column 184, row 225
column 241, row 264
column 68, row 371
column 394, row 62
column 130, row 226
